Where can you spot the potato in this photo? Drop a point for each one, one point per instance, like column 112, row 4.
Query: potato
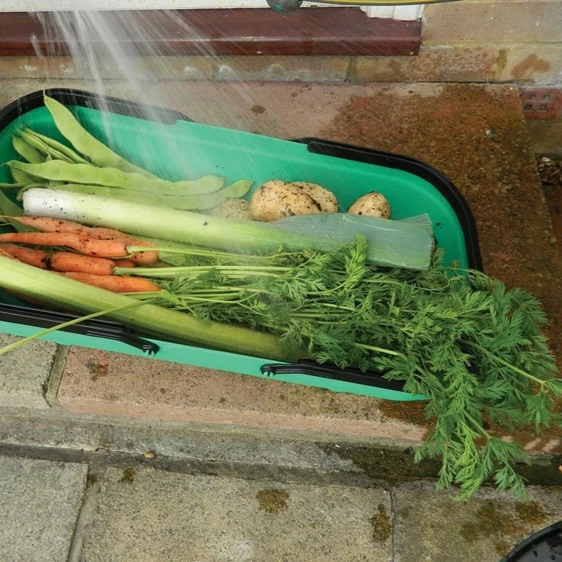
column 372, row 205
column 324, row 197
column 277, row 199
column 238, row 209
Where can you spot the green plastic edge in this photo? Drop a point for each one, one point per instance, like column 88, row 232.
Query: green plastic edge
column 207, row 358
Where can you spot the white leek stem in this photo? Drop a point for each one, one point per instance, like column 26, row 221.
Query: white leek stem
column 399, row 244
column 164, row 223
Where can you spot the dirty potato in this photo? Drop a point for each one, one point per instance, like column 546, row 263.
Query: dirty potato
column 277, row 199
column 324, row 197
column 372, row 205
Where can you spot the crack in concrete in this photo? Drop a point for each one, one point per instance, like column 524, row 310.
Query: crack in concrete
column 85, row 518
column 393, row 519
column 51, row 385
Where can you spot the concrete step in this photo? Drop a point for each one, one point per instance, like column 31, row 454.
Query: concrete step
column 83, row 488
column 132, row 508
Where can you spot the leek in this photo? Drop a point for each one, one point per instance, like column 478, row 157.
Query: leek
column 149, row 319
column 184, row 202
column 405, row 245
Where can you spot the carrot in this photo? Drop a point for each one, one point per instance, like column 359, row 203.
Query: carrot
column 98, row 248
column 62, row 261
column 5, row 254
column 59, row 226
column 142, row 258
column 37, row 258
column 47, row 224
column 124, row 263
column 114, row 283
column 71, row 262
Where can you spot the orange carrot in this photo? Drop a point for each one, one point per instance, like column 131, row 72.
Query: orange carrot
column 142, row 258
column 124, row 263
column 59, row 226
column 69, row 261
column 37, row 258
column 62, row 261
column 48, row 224
column 5, row 254
column 98, row 248
column 114, row 283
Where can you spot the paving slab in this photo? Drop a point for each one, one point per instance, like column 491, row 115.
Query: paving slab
column 40, row 501
column 431, row 527
column 152, row 516
column 24, row 373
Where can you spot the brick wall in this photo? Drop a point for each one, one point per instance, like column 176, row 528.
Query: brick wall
column 470, row 41
column 482, row 41
column 525, row 36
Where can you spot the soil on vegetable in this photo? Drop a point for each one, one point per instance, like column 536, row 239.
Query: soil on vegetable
column 382, row 525
column 272, row 501
column 477, row 136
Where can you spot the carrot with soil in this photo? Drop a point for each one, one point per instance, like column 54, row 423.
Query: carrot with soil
column 94, row 271
column 60, row 226
column 31, row 256
column 65, row 261
column 113, row 283
column 48, row 224
column 463, row 341
column 86, row 246
column 124, row 263
column 72, row 262
column 97, row 248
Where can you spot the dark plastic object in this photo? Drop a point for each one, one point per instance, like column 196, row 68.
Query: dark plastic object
column 95, row 328
column 330, row 371
column 69, row 96
column 544, row 546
